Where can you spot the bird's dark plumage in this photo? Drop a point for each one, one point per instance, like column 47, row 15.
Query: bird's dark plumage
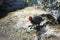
column 36, row 20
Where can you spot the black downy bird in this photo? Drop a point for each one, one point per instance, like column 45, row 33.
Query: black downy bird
column 35, row 20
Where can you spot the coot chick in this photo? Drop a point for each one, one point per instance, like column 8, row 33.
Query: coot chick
column 35, row 20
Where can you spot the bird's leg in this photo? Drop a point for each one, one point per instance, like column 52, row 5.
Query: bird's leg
column 32, row 26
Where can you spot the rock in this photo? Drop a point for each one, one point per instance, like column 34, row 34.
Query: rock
column 14, row 26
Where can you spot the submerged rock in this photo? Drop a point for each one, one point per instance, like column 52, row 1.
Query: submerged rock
column 11, row 5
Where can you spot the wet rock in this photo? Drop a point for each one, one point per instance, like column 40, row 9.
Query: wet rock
column 15, row 25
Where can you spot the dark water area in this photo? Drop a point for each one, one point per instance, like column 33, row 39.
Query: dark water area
column 10, row 6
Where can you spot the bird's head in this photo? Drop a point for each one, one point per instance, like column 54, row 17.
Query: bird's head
column 30, row 18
